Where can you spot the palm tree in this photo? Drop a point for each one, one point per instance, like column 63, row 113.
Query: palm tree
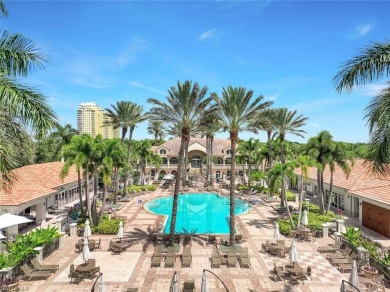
column 320, row 148
column 248, row 148
column 62, row 136
column 237, row 113
column 303, row 162
column 286, row 122
column 155, row 128
column 144, row 151
column 185, row 106
column 156, row 160
column 370, row 64
column 339, row 156
column 21, row 106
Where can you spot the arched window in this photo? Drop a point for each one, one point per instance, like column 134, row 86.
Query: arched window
column 228, row 160
column 163, row 151
column 173, row 172
column 173, row 160
column 219, row 160
column 228, row 151
column 162, row 172
column 164, row 161
column 195, row 161
column 218, row 174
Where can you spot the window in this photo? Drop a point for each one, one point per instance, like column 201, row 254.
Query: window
column 164, row 161
column 163, row 151
column 229, row 151
column 195, row 161
column 218, row 175
column 228, row 161
column 173, row 160
column 240, row 173
column 228, row 174
column 218, row 160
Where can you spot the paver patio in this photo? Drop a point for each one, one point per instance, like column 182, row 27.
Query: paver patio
column 132, row 267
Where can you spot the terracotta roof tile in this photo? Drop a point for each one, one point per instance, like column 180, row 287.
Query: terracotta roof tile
column 36, row 181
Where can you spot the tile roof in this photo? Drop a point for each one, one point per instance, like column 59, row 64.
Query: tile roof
column 173, row 145
column 36, row 181
column 361, row 181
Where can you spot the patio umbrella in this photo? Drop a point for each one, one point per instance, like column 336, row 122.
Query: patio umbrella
column 102, row 287
column 87, row 229
column 175, row 284
column 276, row 233
column 204, row 283
column 86, row 254
column 120, row 230
column 353, row 277
column 305, row 220
column 293, row 252
column 7, row 220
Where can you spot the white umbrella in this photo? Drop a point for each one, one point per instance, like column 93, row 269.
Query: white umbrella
column 120, row 230
column 353, row 277
column 102, row 287
column 305, row 219
column 175, row 284
column 204, row 283
column 7, row 220
column 293, row 252
column 86, row 254
column 87, row 229
column 169, row 176
column 276, row 233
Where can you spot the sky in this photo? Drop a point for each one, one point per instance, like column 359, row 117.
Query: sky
column 287, row 51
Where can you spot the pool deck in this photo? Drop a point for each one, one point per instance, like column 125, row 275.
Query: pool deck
column 132, row 267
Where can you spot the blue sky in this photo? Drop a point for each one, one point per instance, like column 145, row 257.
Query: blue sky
column 288, row 51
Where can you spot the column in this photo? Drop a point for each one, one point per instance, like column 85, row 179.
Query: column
column 39, row 255
column 73, row 229
column 59, row 224
column 296, row 198
column 337, row 237
column 363, row 254
column 325, row 230
column 62, row 239
column 40, row 213
column 340, row 225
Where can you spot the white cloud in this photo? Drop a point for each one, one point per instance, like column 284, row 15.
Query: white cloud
column 140, row 85
column 136, row 47
column 209, row 34
column 272, row 97
column 317, row 104
column 315, row 125
column 361, row 30
column 371, row 90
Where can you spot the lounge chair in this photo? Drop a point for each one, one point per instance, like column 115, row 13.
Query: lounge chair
column 157, row 251
column 131, row 290
column 335, row 256
column 110, row 245
column 325, row 249
column 345, row 252
column 187, row 240
column 189, row 286
column 216, row 262
column 78, row 247
column 238, row 238
column 98, row 244
column 38, row 267
column 211, row 239
column 216, row 252
column 232, row 261
column 30, row 274
column 116, row 249
column 176, row 238
column 186, row 251
column 156, row 261
column 278, row 272
column 170, row 261
column 245, row 262
column 171, row 250
column 186, row 261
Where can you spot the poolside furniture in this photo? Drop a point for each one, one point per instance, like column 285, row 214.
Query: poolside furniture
column 189, row 286
column 176, row 238
column 238, row 238
column 278, row 272
column 186, row 261
column 244, row 257
column 38, row 267
column 116, row 249
column 277, row 251
column 187, row 240
column 75, row 276
column 98, row 244
column 78, row 247
column 325, row 249
column 335, row 256
column 171, row 250
column 224, row 239
column 344, row 268
column 211, row 239
column 345, row 252
column 94, row 273
column 170, row 261
column 131, row 290
column 30, row 274
column 232, row 261
column 157, row 251
column 265, row 247
column 216, row 262
column 156, row 261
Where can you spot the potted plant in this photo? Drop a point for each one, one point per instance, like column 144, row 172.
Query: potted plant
column 369, row 272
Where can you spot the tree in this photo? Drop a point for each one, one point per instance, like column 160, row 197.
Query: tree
column 185, row 105
column 286, row 122
column 370, row 64
column 248, row 149
column 144, row 151
column 21, row 106
column 61, row 137
column 237, row 113
column 155, row 128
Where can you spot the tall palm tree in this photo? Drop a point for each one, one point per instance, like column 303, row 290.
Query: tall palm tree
column 21, row 106
column 248, row 148
column 62, row 136
column 155, row 128
column 286, row 122
column 320, row 148
column 370, row 64
column 144, row 151
column 156, row 160
column 185, row 105
column 237, row 112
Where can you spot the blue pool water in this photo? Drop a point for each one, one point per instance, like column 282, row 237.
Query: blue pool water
column 198, row 213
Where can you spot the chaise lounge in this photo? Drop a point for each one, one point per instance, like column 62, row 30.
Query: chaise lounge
column 30, row 274
column 38, row 267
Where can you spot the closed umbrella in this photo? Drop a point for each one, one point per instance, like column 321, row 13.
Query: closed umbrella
column 293, row 252
column 120, row 230
column 204, row 283
column 305, row 219
column 7, row 220
column 353, row 277
column 102, row 287
column 86, row 254
column 276, row 233
column 87, row 229
column 175, row 284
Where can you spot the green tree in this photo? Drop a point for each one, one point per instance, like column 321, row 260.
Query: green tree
column 62, row 136
column 155, row 128
column 21, row 107
column 237, row 113
column 144, row 151
column 248, row 149
column 370, row 64
column 185, row 105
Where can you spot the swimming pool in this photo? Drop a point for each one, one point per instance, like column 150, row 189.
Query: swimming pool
column 198, row 213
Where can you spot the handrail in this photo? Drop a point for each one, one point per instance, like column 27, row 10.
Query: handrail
column 342, row 288
column 205, row 270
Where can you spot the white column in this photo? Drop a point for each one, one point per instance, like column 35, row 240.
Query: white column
column 73, row 229
column 340, row 225
column 337, row 236
column 59, row 224
column 39, row 255
column 40, row 213
column 62, row 239
column 296, row 198
column 325, row 230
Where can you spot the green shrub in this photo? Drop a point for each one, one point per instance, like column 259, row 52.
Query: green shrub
column 108, row 226
column 242, row 187
column 151, row 188
column 290, row 196
column 284, row 227
column 134, row 189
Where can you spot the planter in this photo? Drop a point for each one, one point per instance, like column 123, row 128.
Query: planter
column 369, row 272
column 10, row 285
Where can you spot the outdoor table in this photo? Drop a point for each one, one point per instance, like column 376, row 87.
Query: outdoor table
column 122, row 245
column 294, row 269
column 85, row 268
